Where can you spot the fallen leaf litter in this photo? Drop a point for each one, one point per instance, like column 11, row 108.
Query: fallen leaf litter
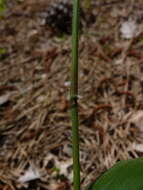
column 35, row 128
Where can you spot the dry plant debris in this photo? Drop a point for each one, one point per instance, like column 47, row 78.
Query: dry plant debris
column 35, row 128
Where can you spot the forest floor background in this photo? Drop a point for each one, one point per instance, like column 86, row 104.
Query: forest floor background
column 35, row 127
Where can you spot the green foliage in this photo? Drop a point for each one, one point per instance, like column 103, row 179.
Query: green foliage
column 2, row 5
column 3, row 53
column 125, row 175
column 141, row 40
column 55, row 169
column 87, row 4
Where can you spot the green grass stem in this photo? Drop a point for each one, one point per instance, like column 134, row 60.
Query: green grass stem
column 74, row 96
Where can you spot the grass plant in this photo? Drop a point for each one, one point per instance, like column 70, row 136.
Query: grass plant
column 74, row 96
column 2, row 6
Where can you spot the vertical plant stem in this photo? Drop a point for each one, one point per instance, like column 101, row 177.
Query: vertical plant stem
column 74, row 96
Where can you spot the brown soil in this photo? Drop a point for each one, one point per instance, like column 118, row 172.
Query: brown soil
column 35, row 127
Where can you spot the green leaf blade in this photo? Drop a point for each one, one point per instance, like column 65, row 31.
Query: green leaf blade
column 125, row 175
column 2, row 6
